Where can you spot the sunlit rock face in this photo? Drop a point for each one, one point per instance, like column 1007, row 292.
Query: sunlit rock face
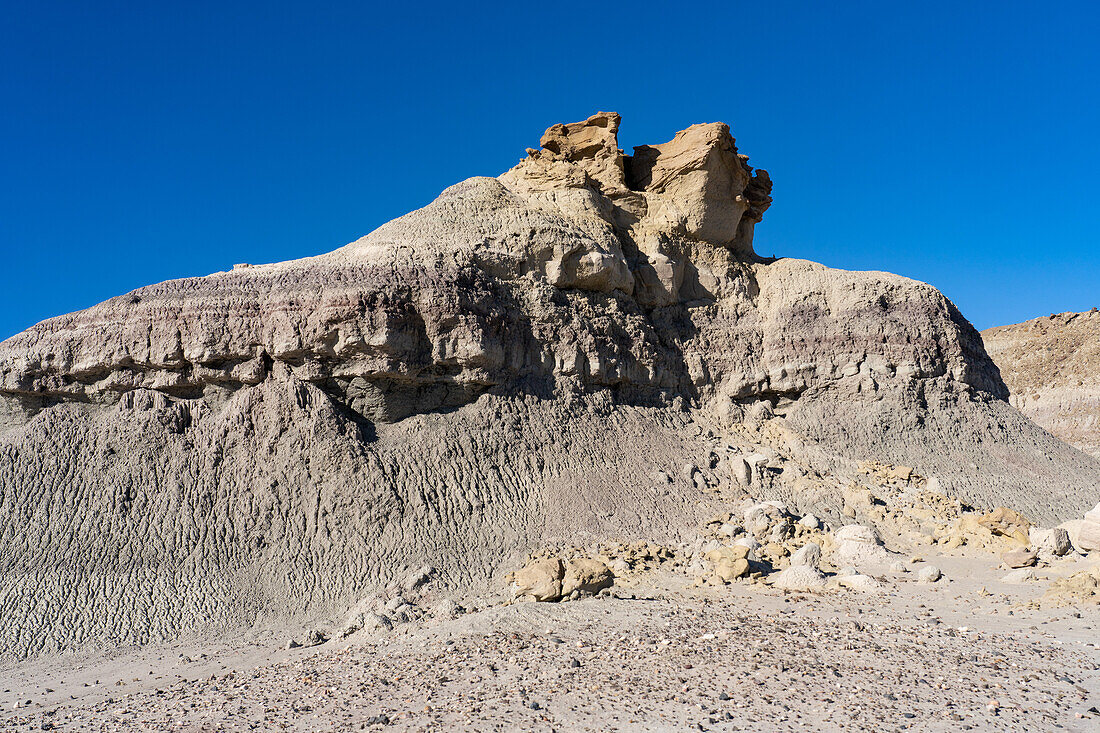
column 1052, row 368
column 505, row 368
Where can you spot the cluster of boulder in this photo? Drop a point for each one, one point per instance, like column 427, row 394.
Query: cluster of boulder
column 552, row 579
column 903, row 499
column 914, row 506
column 1078, row 537
column 900, row 500
column 627, row 559
column 764, row 543
column 767, row 543
column 575, row 572
column 1021, row 545
column 772, row 545
column 1000, row 530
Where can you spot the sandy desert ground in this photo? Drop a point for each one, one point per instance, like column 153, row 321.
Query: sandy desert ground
column 966, row 653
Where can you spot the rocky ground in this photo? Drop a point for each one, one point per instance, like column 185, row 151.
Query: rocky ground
column 966, row 653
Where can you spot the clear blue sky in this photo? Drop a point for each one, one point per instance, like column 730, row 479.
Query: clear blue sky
column 956, row 143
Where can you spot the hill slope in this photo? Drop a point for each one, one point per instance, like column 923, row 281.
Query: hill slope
column 1052, row 368
column 530, row 359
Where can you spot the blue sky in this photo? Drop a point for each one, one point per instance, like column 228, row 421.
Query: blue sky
column 955, row 143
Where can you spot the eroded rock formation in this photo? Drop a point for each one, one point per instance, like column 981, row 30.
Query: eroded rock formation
column 519, row 362
column 1052, row 368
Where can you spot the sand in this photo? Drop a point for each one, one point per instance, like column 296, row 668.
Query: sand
column 965, row 653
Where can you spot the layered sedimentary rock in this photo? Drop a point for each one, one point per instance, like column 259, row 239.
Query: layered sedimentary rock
column 1052, row 368
column 527, row 359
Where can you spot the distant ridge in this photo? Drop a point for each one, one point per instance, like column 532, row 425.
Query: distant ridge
column 1052, row 368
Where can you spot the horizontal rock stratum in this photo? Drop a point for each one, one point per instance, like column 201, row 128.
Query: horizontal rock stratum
column 528, row 359
column 1052, row 368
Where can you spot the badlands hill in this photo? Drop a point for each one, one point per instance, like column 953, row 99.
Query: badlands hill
column 568, row 352
column 1052, row 368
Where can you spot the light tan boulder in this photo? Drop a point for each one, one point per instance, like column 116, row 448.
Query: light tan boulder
column 856, row 533
column 973, row 530
column 760, row 518
column 799, row 577
column 749, row 543
column 1054, row 541
column 859, row 582
column 859, row 546
column 540, row 580
column 585, row 575
column 1088, row 532
column 739, row 470
column 808, row 555
column 1021, row 575
column 774, row 551
column 619, row 567
column 929, row 574
column 1006, row 522
column 729, row 562
column 728, row 552
column 1082, row 587
column 1073, row 529
column 1021, row 557
column 729, row 570
column 901, row 473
